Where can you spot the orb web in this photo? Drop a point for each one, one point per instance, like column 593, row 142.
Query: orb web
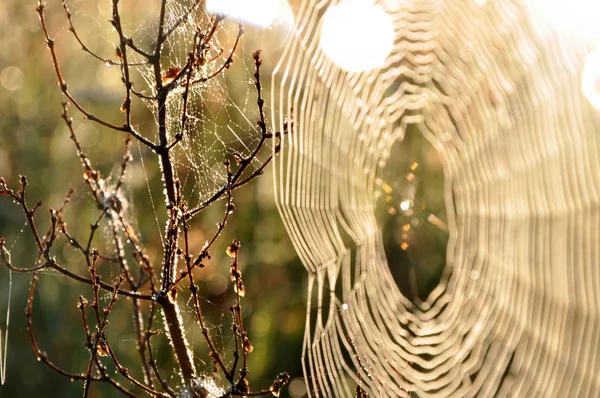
column 496, row 90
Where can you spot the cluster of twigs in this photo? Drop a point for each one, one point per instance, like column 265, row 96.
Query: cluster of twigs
column 151, row 284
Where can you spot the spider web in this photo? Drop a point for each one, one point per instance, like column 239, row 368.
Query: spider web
column 221, row 112
column 4, row 334
column 496, row 91
column 221, row 119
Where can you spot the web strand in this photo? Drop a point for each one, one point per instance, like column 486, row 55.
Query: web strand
column 497, row 93
column 4, row 334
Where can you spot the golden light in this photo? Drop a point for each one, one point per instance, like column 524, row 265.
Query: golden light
column 578, row 18
column 590, row 79
column 262, row 13
column 357, row 35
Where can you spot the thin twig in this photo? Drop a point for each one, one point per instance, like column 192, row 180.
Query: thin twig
column 63, row 86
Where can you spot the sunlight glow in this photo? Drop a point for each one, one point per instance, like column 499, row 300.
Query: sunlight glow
column 262, row 13
column 357, row 35
column 574, row 17
column 590, row 79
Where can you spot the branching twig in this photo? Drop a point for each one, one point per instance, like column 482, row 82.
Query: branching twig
column 63, row 86
column 135, row 274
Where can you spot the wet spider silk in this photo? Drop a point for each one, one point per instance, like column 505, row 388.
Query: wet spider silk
column 495, row 87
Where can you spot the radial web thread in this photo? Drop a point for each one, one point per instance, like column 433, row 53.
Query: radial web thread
column 497, row 93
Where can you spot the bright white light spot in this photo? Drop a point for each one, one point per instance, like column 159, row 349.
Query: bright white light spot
column 262, row 13
column 590, row 80
column 344, row 306
column 357, row 35
column 405, row 205
column 575, row 17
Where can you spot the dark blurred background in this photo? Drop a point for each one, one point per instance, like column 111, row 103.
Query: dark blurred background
column 34, row 142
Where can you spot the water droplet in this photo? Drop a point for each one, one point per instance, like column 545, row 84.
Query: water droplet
column 406, row 204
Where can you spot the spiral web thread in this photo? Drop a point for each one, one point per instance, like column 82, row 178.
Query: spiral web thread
column 497, row 92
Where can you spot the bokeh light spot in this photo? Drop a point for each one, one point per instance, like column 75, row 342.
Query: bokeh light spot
column 357, row 35
column 12, row 78
column 590, row 79
column 261, row 324
column 217, row 284
column 297, row 388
